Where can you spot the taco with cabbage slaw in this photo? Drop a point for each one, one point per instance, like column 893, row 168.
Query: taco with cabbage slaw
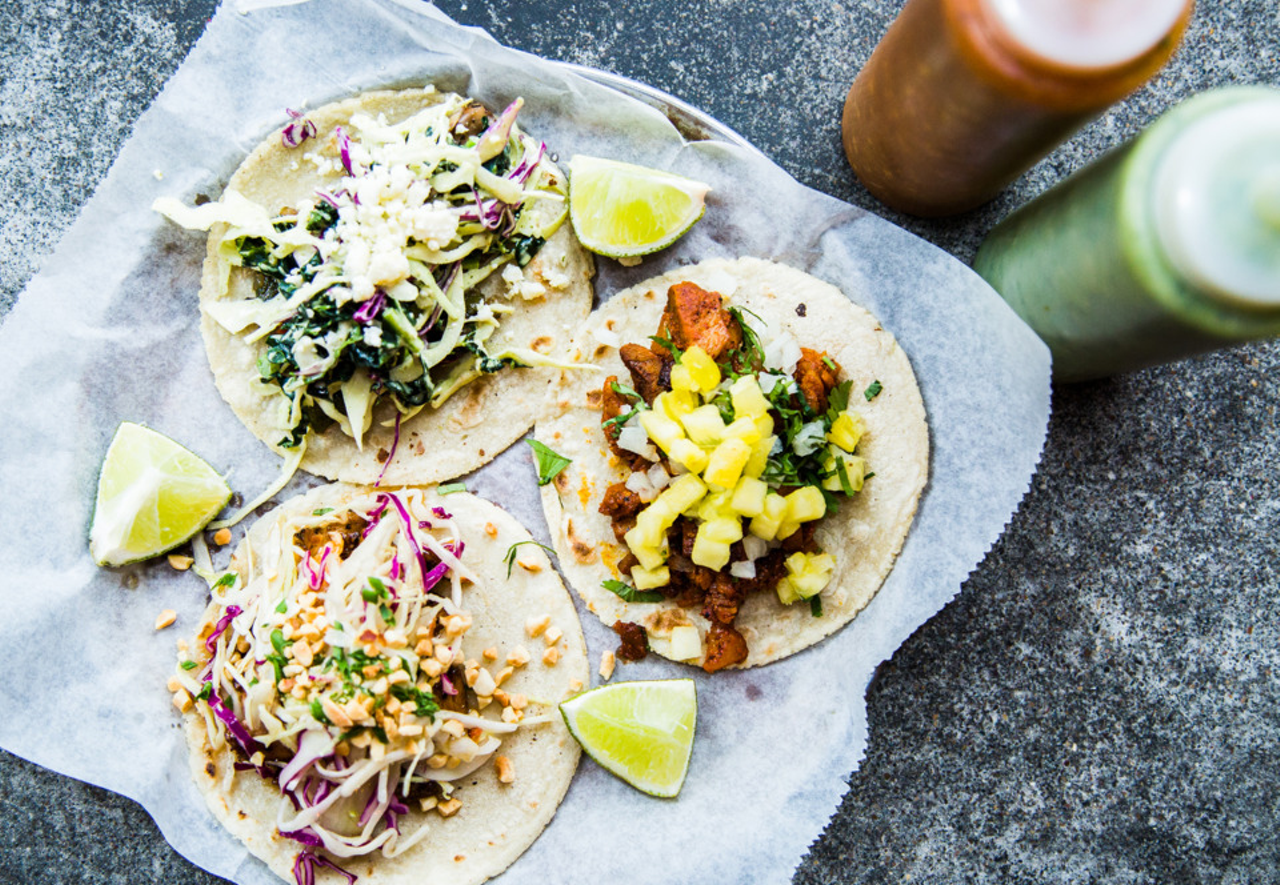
column 388, row 273
column 372, row 691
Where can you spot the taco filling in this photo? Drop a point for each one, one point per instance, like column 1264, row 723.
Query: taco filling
column 338, row 662
column 370, row 290
column 736, row 445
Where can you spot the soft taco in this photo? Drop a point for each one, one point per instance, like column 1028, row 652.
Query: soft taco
column 742, row 482
column 373, row 688
column 390, row 272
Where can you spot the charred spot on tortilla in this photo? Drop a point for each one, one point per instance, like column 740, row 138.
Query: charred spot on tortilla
column 738, row 435
column 381, row 269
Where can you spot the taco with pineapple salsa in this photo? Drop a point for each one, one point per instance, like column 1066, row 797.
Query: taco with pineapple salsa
column 745, row 477
column 390, row 270
column 373, row 688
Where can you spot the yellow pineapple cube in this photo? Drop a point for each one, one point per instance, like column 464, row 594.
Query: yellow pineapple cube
column 649, row 579
column 744, row 429
column 748, row 400
column 689, row 454
column 855, row 470
column 806, row 504
column 787, row 592
column 661, row 429
column 675, row 404
column 764, row 424
column 712, row 554
column 715, row 506
column 748, row 496
column 759, row 459
column 767, row 523
column 846, row 430
column 703, row 370
column 726, row 463
column 682, row 494
column 721, row 531
column 682, row 379
column 704, row 425
column 808, row 574
column 786, row 529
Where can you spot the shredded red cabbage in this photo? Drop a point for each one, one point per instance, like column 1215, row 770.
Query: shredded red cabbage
column 344, row 148
column 395, row 441
column 441, row 513
column 371, row 309
column 306, row 836
column 304, row 868
column 232, row 612
column 408, row 527
column 447, row 684
column 239, row 733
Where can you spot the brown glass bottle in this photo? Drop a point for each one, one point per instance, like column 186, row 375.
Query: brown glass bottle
column 952, row 106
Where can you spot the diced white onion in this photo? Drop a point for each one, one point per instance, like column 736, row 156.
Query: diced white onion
column 783, row 352
column 659, row 477
column 743, row 569
column 640, row 484
column 754, row 547
column 634, row 439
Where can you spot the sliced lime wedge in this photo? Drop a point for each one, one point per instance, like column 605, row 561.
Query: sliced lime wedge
column 153, row 494
column 640, row 731
column 624, row 211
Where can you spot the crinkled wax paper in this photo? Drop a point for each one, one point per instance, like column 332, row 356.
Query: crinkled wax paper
column 108, row 332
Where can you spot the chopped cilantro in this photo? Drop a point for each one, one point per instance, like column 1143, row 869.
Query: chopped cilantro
column 669, row 346
column 815, row 605
column 510, row 558
column 322, row 511
column 843, row 474
column 283, row 606
column 624, row 390
column 225, row 581
column 278, row 663
column 426, row 704
column 550, row 463
column 317, row 712
column 873, row 391
column 277, row 641
column 838, row 399
column 627, row 593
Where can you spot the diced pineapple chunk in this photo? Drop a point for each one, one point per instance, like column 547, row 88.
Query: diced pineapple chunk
column 748, row 400
column 682, row 379
column 726, row 463
column 689, row 454
column 855, row 470
column 806, row 504
column 648, row 579
column 759, row 459
column 651, row 526
column 716, row 505
column 807, row 575
column 686, row 642
column 764, row 424
column 712, row 554
column 661, row 429
column 702, row 368
column 721, row 531
column 786, row 529
column 682, row 494
column 704, row 425
column 675, row 404
column 748, row 496
column 766, row 525
column 650, row 557
column 847, row 429
column 744, row 429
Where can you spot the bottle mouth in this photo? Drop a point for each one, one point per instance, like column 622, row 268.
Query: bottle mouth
column 1217, row 203
column 1088, row 34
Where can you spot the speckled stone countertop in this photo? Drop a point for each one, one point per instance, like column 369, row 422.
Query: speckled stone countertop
column 1102, row 701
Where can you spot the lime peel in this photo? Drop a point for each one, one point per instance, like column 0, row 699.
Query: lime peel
column 620, row 210
column 153, row 494
column 640, row 731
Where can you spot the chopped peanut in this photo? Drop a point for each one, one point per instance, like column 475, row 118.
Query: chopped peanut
column 506, row 774
column 484, row 684
column 444, row 654
column 302, row 653
column 179, row 562
column 423, row 648
column 165, row 618
column 439, row 760
column 173, row 684
column 432, row 667
column 519, row 701
column 371, row 671
column 511, row 714
column 337, row 715
column 286, row 685
column 503, row 675
column 501, row 697
column 531, row 567
column 397, row 677
column 518, row 656
column 410, row 730
column 222, row 537
column 607, row 663
column 535, row 626
column 491, row 530
column 551, row 656
column 471, row 674
column 553, row 635
column 491, row 653
column 453, row 727
column 448, row 809
column 575, row 685
column 182, row 700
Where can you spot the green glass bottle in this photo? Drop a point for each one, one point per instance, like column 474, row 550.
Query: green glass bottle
column 1167, row 247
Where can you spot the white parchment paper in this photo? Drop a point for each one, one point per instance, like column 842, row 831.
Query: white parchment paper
column 108, row 332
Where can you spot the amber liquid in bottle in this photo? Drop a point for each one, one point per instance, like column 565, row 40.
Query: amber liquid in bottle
column 952, row 106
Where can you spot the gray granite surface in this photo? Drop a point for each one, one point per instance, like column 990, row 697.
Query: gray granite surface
column 1100, row 704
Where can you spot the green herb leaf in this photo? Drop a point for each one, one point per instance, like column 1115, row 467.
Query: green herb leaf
column 425, row 701
column 630, row 594
column 278, row 663
column 322, row 511
column 277, row 641
column 815, row 605
column 206, row 692
column 838, row 399
column 451, row 488
column 368, row 594
column 843, row 474
column 225, row 581
column 189, row 665
column 624, row 390
column 317, row 712
column 550, row 463
column 510, row 558
column 676, row 353
column 873, row 391
column 282, row 607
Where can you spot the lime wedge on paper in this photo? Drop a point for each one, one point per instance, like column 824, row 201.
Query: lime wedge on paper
column 153, row 494
column 623, row 211
column 640, row 731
